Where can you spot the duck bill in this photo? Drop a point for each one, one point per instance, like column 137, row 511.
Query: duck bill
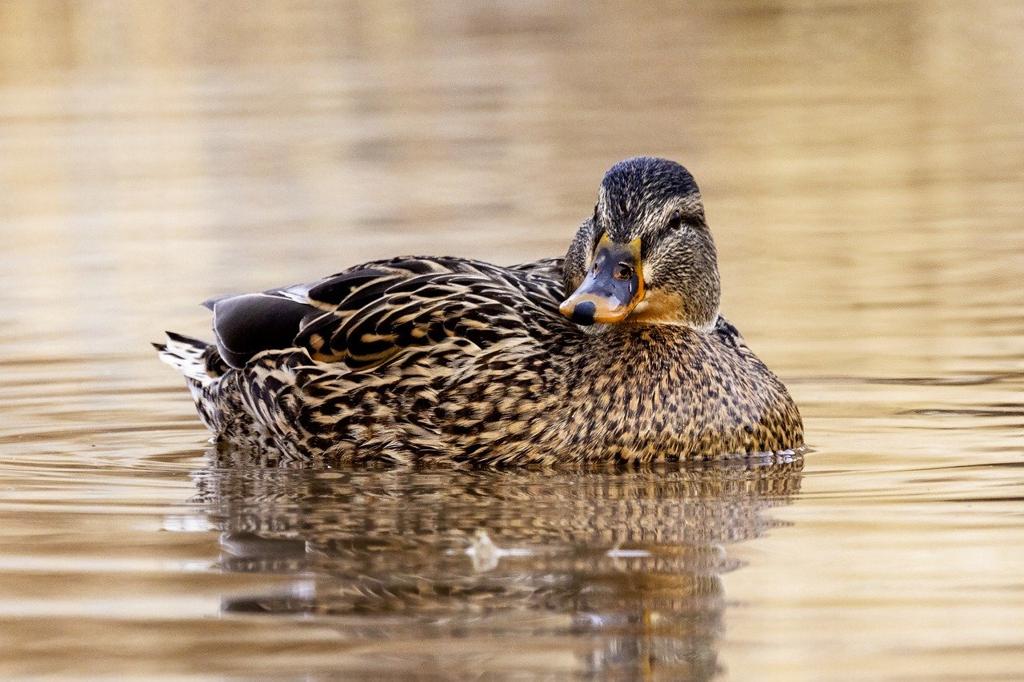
column 612, row 288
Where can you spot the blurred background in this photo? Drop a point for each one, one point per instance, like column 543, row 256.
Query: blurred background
column 859, row 161
column 862, row 165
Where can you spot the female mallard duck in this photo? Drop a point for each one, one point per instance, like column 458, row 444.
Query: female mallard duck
column 616, row 352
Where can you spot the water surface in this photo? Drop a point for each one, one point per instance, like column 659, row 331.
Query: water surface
column 861, row 166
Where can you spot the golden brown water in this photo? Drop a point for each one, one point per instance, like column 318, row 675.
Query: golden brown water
column 863, row 170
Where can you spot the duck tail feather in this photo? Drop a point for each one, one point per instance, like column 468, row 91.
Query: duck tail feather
column 189, row 356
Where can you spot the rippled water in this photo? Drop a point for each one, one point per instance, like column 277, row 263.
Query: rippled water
column 862, row 169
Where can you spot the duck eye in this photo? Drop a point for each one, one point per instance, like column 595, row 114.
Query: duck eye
column 623, row 272
column 675, row 222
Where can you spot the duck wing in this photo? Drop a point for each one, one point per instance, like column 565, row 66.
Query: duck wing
column 373, row 314
column 248, row 324
column 368, row 314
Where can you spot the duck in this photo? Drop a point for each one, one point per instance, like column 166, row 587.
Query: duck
column 615, row 353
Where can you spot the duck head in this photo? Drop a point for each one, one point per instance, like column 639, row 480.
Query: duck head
column 646, row 255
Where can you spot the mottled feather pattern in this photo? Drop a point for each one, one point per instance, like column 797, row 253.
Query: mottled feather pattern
column 476, row 365
column 377, row 310
column 447, row 359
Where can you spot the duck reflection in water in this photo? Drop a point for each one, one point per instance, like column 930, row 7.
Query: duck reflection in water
column 534, row 571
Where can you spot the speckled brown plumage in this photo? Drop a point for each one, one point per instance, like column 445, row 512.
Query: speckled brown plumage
column 418, row 358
